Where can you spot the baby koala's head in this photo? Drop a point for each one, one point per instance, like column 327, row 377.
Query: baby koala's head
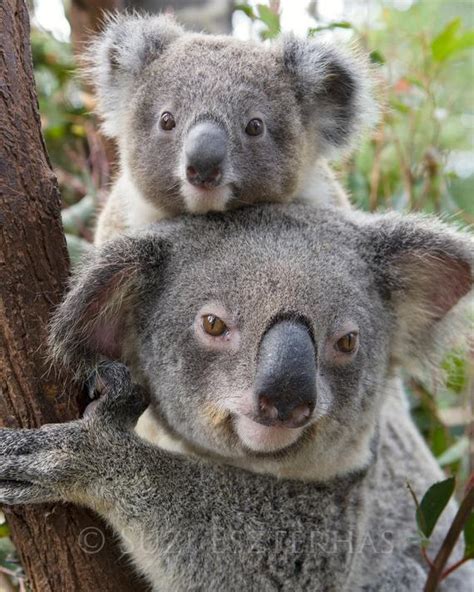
column 207, row 123
column 268, row 330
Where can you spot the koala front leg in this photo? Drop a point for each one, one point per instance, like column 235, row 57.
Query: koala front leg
column 37, row 465
column 71, row 461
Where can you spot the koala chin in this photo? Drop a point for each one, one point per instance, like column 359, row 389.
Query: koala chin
column 210, row 123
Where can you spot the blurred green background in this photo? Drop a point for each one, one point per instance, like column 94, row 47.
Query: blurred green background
column 421, row 156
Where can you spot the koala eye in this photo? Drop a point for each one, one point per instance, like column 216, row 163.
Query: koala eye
column 348, row 343
column 214, row 326
column 254, row 127
column 167, row 121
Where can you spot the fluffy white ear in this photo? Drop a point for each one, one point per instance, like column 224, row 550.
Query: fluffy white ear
column 335, row 87
column 426, row 271
column 116, row 58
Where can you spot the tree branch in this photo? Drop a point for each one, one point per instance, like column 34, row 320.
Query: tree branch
column 436, row 572
column 33, row 273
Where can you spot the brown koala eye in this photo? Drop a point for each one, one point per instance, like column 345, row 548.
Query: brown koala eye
column 348, row 343
column 214, row 326
column 167, row 121
column 254, row 127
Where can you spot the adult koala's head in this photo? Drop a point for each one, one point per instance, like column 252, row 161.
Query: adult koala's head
column 268, row 330
column 210, row 122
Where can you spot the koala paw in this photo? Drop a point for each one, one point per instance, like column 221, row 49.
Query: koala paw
column 35, row 465
column 120, row 402
column 60, row 461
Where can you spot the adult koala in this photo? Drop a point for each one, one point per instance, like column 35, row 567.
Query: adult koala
column 209, row 123
column 270, row 348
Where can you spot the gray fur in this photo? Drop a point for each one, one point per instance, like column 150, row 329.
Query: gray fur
column 329, row 512
column 314, row 98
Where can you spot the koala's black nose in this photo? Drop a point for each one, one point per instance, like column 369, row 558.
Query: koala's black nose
column 285, row 382
column 205, row 150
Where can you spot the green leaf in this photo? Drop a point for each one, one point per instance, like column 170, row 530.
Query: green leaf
column 441, row 43
column 4, row 530
column 415, row 82
column 465, row 41
column 7, row 554
column 424, row 540
column 247, row 9
column 454, row 453
column 270, row 19
column 448, row 43
column 455, row 366
column 339, row 25
column 376, row 57
column 432, row 505
column 399, row 106
column 469, row 537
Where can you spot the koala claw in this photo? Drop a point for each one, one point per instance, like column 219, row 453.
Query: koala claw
column 120, row 401
column 90, row 409
column 95, row 384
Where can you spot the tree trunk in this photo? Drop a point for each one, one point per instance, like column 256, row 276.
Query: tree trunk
column 58, row 552
column 86, row 18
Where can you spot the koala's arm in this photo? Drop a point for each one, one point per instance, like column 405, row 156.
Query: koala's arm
column 100, row 463
column 76, row 461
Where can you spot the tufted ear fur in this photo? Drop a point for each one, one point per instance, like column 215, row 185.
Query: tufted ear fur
column 335, row 89
column 426, row 269
column 116, row 58
column 93, row 318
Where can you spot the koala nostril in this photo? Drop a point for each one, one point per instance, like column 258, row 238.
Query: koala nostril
column 191, row 173
column 278, row 413
column 267, row 408
column 213, row 175
column 202, row 178
column 300, row 414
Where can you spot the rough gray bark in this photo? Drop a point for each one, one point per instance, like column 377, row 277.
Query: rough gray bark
column 34, row 267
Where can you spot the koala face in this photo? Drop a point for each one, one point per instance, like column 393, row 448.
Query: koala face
column 209, row 123
column 268, row 357
column 264, row 331
column 216, row 124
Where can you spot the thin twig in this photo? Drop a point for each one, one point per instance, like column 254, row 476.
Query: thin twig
column 425, row 557
column 376, row 167
column 407, row 175
column 455, row 566
column 437, row 573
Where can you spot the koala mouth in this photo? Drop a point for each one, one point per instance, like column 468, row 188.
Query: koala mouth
column 265, row 438
column 200, row 200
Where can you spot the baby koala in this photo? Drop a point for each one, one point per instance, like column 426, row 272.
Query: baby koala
column 265, row 342
column 210, row 123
